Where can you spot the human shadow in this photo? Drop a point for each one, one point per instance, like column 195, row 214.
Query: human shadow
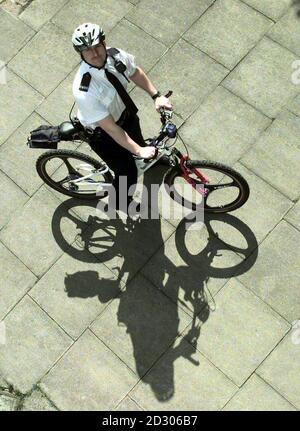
column 166, row 291
column 88, row 284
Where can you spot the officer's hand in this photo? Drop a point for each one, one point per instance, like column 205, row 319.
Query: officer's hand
column 146, row 152
column 162, row 102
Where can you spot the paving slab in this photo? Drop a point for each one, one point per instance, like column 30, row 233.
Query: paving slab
column 293, row 216
column 294, row 105
column 32, row 243
column 34, row 344
column 128, row 37
column 56, row 107
column 75, row 292
column 140, row 325
column 241, row 332
column 164, row 24
column 257, row 395
column 16, row 158
column 128, row 405
column 281, row 369
column 275, row 277
column 12, row 115
column 75, row 12
column 17, row 34
column 265, row 206
column 228, row 31
column 41, row 11
column 12, row 198
column 285, row 31
column 183, row 380
column 275, row 153
column 263, row 78
column 37, row 402
column 89, row 377
column 223, row 127
column 191, row 267
column 3, row 384
column 273, row 9
column 7, row 402
column 53, row 56
column 191, row 74
column 15, row 281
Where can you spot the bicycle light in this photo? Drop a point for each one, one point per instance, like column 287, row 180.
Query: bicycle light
column 171, row 130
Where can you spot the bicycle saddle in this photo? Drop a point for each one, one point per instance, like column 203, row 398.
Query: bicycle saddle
column 66, row 130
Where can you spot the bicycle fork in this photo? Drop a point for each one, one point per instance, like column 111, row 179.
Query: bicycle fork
column 185, row 174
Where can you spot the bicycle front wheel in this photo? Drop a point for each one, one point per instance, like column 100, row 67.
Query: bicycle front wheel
column 225, row 191
column 74, row 174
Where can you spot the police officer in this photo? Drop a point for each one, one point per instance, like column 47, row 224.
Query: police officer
column 105, row 107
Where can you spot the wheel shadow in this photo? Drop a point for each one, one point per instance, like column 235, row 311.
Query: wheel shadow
column 166, row 283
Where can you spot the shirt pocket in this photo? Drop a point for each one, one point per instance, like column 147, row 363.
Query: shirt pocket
column 106, row 96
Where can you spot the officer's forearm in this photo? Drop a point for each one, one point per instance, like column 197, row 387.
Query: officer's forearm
column 123, row 139
column 142, row 81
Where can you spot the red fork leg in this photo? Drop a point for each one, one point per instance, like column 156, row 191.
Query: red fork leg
column 185, row 174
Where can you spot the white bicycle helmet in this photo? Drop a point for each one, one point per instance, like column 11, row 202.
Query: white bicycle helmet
column 87, row 35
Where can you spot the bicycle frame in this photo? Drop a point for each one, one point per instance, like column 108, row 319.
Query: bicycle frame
column 167, row 131
column 160, row 143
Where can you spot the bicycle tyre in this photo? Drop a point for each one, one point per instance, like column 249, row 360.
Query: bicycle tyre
column 43, row 158
column 243, row 186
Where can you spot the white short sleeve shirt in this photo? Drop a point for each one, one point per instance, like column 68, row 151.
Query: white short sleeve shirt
column 101, row 99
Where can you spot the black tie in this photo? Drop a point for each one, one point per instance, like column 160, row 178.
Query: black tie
column 128, row 102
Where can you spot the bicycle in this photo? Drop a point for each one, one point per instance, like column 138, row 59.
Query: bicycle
column 206, row 177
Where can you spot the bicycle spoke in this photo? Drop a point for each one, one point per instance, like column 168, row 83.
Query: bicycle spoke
column 70, row 168
column 99, row 246
column 64, row 180
column 213, row 187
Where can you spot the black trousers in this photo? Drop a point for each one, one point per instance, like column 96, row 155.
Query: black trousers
column 120, row 160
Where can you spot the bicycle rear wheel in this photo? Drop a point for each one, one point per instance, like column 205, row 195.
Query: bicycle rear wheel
column 63, row 169
column 225, row 191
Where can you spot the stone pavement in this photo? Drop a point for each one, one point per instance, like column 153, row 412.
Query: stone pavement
column 154, row 317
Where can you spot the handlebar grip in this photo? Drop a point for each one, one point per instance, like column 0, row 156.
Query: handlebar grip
column 152, row 158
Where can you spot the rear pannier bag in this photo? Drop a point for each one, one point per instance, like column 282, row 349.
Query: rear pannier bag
column 44, row 137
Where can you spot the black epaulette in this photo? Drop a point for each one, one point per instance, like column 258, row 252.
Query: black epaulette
column 85, row 82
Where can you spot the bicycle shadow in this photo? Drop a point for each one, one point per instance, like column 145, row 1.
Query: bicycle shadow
column 152, row 311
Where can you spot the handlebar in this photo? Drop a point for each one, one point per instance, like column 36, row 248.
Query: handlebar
column 165, row 114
